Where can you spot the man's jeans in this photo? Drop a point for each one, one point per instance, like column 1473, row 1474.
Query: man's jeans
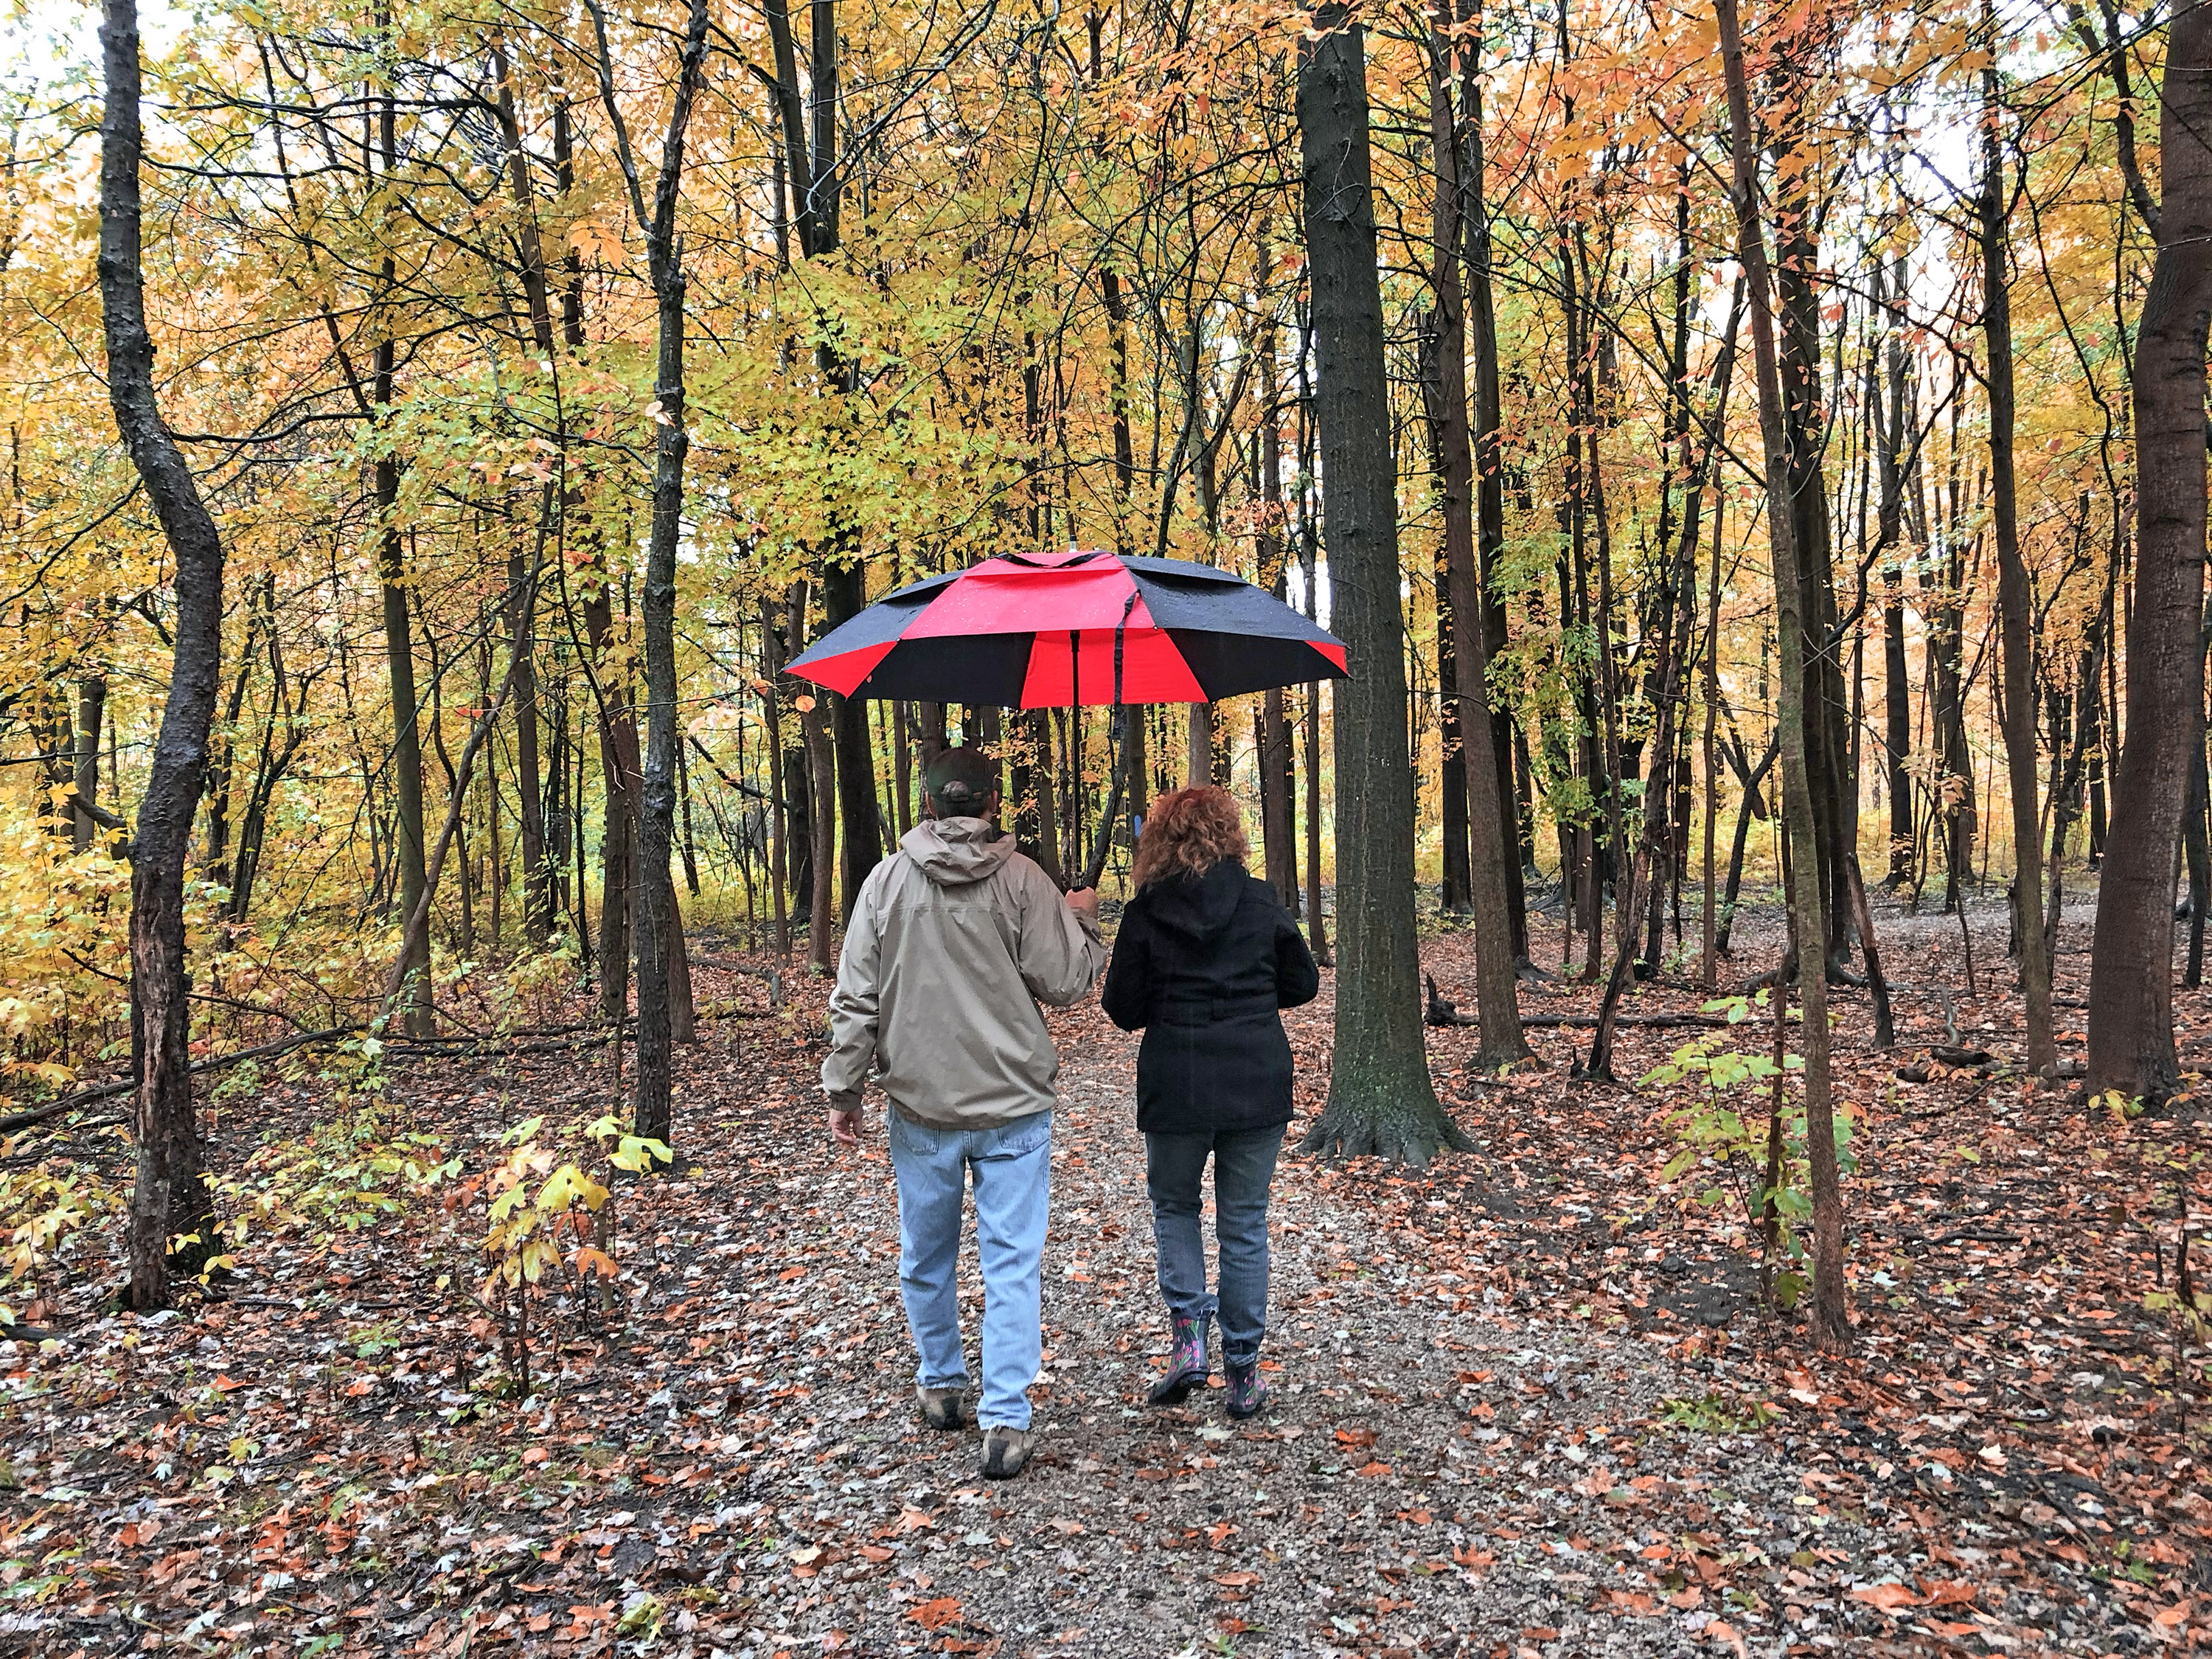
column 1244, row 1169
column 1013, row 1167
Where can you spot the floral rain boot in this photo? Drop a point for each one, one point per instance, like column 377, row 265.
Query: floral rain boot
column 1188, row 1368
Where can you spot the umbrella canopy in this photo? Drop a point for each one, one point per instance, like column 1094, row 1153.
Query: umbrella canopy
column 1048, row 630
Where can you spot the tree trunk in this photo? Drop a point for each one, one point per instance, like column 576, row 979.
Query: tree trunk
column 1381, row 1098
column 1490, row 481
column 2015, row 620
column 170, row 1196
column 1490, row 843
column 1451, row 769
column 1831, row 1319
column 91, row 711
column 659, row 938
column 521, row 583
column 2131, row 1048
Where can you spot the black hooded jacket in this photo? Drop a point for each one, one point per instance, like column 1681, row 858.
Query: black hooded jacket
column 1201, row 965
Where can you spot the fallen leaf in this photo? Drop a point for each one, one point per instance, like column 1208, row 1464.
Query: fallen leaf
column 1888, row 1597
column 934, row 1615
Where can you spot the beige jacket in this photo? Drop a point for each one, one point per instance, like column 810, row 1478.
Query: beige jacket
column 956, row 939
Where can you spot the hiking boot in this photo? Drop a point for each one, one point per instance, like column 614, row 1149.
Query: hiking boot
column 1247, row 1390
column 941, row 1408
column 1007, row 1451
column 1187, row 1365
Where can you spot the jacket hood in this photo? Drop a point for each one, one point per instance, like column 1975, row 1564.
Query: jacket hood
column 954, row 852
column 1198, row 907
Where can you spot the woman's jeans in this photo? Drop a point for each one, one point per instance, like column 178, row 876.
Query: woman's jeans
column 1013, row 1169
column 1244, row 1169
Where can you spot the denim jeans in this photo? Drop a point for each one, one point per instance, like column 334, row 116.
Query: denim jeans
column 1013, row 1169
column 1244, row 1169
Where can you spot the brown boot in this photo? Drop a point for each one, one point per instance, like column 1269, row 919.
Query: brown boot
column 942, row 1408
column 1007, row 1451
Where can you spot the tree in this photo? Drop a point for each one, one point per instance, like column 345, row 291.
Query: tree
column 1491, row 853
column 1380, row 1096
column 1830, row 1320
column 170, row 1195
column 656, row 919
column 2131, row 1049
column 2015, row 602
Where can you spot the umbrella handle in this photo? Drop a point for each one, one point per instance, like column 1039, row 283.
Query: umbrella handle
column 1104, row 845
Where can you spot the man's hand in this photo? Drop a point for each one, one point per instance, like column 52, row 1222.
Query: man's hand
column 845, row 1125
column 1083, row 901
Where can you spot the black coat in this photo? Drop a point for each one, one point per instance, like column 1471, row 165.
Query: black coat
column 1201, row 965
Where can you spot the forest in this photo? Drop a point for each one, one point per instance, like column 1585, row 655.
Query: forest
column 1756, row 462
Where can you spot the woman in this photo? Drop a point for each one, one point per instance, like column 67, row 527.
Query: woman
column 1205, row 957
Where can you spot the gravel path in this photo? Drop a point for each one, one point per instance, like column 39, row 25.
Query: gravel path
column 1442, row 1472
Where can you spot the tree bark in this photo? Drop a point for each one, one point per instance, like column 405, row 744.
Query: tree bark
column 1490, row 844
column 2131, row 1048
column 1490, row 480
column 2015, row 623
column 1830, row 1320
column 536, row 878
column 170, row 1195
column 1381, row 1098
column 661, row 972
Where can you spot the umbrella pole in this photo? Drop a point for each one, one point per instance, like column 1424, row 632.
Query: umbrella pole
column 1123, row 749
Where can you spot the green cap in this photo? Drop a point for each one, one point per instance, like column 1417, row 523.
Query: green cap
column 961, row 781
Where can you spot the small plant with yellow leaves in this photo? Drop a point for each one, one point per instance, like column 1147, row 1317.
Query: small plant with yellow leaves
column 551, row 1223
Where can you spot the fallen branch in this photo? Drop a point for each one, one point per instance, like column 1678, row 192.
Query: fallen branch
column 1441, row 1012
column 54, row 1109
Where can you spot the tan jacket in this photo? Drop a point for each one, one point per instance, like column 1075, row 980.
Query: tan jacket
column 956, row 939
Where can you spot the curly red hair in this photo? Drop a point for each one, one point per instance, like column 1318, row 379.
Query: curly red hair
column 1188, row 833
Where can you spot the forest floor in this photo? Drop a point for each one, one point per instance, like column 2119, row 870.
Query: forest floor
column 1528, row 1404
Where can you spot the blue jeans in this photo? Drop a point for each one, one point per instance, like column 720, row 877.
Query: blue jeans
column 1012, row 1169
column 1244, row 1169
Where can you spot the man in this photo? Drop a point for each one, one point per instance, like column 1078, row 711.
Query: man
column 953, row 943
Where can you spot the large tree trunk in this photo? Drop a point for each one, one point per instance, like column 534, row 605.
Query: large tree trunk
column 661, row 971
column 1831, row 1319
column 2015, row 620
column 169, row 1194
column 1381, row 1098
column 2131, row 1049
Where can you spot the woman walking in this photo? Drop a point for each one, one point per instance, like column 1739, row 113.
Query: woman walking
column 1205, row 957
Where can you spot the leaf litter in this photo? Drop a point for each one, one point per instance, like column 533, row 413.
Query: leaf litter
column 1527, row 1400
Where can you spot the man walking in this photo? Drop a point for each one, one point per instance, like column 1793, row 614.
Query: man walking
column 952, row 944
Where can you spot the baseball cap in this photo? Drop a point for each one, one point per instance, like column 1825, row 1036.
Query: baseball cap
column 961, row 781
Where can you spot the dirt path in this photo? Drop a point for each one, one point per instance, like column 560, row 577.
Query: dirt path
column 1525, row 1405
column 1442, row 1472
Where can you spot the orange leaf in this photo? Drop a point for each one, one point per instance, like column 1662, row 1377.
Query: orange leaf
column 1888, row 1597
column 933, row 1615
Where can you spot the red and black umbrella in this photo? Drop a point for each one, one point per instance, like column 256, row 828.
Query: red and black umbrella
column 1047, row 630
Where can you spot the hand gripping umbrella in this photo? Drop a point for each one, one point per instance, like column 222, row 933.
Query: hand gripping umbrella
column 1073, row 629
